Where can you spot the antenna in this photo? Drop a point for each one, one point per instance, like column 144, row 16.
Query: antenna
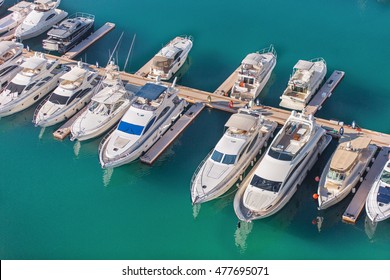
column 128, row 54
column 113, row 52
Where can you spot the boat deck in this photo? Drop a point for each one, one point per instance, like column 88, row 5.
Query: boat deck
column 355, row 207
column 62, row 132
column 166, row 140
column 324, row 92
column 91, row 39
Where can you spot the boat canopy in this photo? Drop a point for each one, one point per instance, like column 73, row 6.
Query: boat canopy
column 5, row 46
column 254, row 59
column 241, row 121
column 33, row 62
column 303, row 65
column 347, row 153
column 162, row 61
column 105, row 97
column 151, row 91
column 74, row 74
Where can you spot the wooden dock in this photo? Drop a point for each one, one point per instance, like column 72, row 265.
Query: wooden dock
column 91, row 39
column 357, row 204
column 64, row 130
column 166, row 140
column 324, row 92
column 227, row 85
column 144, row 70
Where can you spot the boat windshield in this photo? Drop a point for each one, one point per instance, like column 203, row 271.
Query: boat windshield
column 130, row 128
column 15, row 88
column 99, row 108
column 299, row 89
column 162, row 62
column 335, row 175
column 385, row 177
column 280, row 154
column 265, row 184
column 223, row 158
column 58, row 99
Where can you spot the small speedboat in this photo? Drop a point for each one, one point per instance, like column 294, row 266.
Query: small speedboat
column 10, row 60
column 105, row 109
column 74, row 92
column 378, row 199
column 40, row 19
column 37, row 78
column 170, row 58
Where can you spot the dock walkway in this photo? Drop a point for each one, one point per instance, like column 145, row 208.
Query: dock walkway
column 324, row 92
column 166, row 140
column 64, row 130
column 357, row 203
column 227, row 85
column 91, row 39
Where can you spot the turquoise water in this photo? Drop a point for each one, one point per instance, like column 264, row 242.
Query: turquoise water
column 57, row 203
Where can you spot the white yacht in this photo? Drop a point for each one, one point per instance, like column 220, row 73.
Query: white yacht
column 69, row 32
column 10, row 22
column 284, row 166
column 38, row 77
column 378, row 199
column 10, row 60
column 255, row 71
column 105, row 109
column 245, row 135
column 306, row 78
column 150, row 115
column 40, row 19
column 170, row 58
column 74, row 91
column 344, row 169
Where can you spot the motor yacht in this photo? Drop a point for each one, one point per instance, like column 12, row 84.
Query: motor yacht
column 10, row 22
column 344, row 169
column 105, row 109
column 43, row 16
column 245, row 135
column 170, row 58
column 69, row 32
column 284, row 166
column 10, row 60
column 150, row 115
column 37, row 78
column 378, row 199
column 75, row 90
column 306, row 78
column 255, row 71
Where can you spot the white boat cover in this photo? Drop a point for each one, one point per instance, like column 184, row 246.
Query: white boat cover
column 5, row 46
column 303, row 65
column 74, row 74
column 241, row 121
column 33, row 62
column 108, row 96
column 253, row 59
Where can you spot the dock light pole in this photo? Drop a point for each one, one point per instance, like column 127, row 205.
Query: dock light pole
column 353, row 125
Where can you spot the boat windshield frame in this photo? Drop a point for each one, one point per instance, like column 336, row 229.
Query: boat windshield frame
column 265, row 184
column 335, row 175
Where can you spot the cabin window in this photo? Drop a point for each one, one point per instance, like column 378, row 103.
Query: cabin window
column 7, row 69
column 335, row 175
column 265, row 184
column 117, row 105
column 252, row 143
column 385, row 177
column 178, row 54
column 229, row 159
column 280, row 155
column 30, row 86
column 93, row 106
column 130, row 128
column 217, row 156
column 50, row 16
column 163, row 112
column 149, row 124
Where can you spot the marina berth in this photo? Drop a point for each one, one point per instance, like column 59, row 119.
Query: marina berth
column 170, row 58
column 76, row 88
column 306, row 78
column 38, row 77
column 344, row 169
column 284, row 166
column 10, row 22
column 69, row 32
column 106, row 108
column 10, row 60
column 43, row 16
column 378, row 199
column 254, row 73
column 148, row 118
column 246, row 133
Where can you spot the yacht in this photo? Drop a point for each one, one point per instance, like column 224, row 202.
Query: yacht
column 306, row 78
column 170, row 58
column 378, row 199
column 40, row 19
column 105, row 109
column 10, row 22
column 284, row 166
column 69, row 32
column 10, row 60
column 241, row 142
column 74, row 91
column 254, row 73
column 150, row 115
column 38, row 77
column 344, row 169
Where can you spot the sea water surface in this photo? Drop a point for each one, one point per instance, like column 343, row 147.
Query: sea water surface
column 57, row 203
